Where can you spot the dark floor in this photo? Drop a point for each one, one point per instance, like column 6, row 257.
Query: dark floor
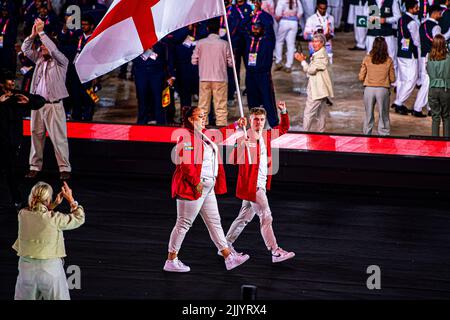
column 335, row 233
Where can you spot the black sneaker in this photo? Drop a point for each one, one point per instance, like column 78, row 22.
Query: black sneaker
column 419, row 114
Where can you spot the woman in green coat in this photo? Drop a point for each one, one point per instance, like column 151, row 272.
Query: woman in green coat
column 438, row 68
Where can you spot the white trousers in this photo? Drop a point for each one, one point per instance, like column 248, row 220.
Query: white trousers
column 422, row 95
column 408, row 71
column 360, row 32
column 187, row 211
column 287, row 31
column 392, row 48
column 309, row 8
column 335, row 9
column 52, row 119
column 248, row 211
column 41, row 280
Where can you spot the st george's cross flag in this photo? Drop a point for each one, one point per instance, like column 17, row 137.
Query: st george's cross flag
column 130, row 27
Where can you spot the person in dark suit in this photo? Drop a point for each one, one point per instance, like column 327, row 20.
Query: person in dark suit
column 13, row 105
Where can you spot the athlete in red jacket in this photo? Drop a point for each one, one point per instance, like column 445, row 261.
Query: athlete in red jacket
column 255, row 177
column 198, row 176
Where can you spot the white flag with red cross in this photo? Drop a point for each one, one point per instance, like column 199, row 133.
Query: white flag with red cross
column 130, row 27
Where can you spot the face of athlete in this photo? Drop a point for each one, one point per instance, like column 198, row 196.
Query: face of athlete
column 198, row 119
column 257, row 122
column 415, row 10
column 437, row 15
column 257, row 4
column 8, row 85
column 86, row 27
column 322, row 8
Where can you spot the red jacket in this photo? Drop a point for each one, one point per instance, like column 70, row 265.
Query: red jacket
column 248, row 173
column 189, row 154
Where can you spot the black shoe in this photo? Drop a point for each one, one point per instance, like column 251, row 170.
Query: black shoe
column 400, row 109
column 32, row 174
column 64, row 175
column 355, row 48
column 430, row 114
column 419, row 114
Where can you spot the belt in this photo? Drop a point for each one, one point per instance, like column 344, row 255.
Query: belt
column 52, row 102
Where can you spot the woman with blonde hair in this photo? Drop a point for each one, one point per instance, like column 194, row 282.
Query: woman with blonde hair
column 377, row 73
column 40, row 244
column 438, row 67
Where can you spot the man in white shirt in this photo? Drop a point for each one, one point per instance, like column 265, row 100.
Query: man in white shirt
column 288, row 13
column 357, row 16
column 320, row 22
column 383, row 17
column 408, row 53
column 428, row 30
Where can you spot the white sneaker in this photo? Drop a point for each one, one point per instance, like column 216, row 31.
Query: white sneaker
column 175, row 265
column 235, row 260
column 281, row 255
column 231, row 248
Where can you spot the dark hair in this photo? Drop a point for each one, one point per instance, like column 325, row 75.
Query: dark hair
column 434, row 8
column 214, row 25
column 88, row 18
column 410, row 4
column 325, row 2
column 438, row 49
column 379, row 52
column 6, row 75
column 188, row 112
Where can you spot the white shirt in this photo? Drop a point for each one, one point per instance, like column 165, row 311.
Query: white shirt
column 210, row 166
column 283, row 11
column 316, row 22
column 262, row 170
column 437, row 30
column 41, row 88
column 413, row 28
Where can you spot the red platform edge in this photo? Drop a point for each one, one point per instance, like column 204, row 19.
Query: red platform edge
column 290, row 141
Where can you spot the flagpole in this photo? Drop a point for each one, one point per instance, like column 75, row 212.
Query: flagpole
column 236, row 81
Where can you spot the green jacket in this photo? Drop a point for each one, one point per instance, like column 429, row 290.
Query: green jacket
column 41, row 232
column 439, row 73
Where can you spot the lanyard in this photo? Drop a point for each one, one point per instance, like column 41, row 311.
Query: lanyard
column 425, row 5
column 5, row 26
column 256, row 16
column 322, row 21
column 401, row 27
column 222, row 22
column 80, row 43
column 240, row 12
column 257, row 45
column 29, row 7
column 426, row 31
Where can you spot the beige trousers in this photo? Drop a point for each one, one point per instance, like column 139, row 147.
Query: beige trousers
column 219, row 91
column 52, row 119
column 315, row 110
